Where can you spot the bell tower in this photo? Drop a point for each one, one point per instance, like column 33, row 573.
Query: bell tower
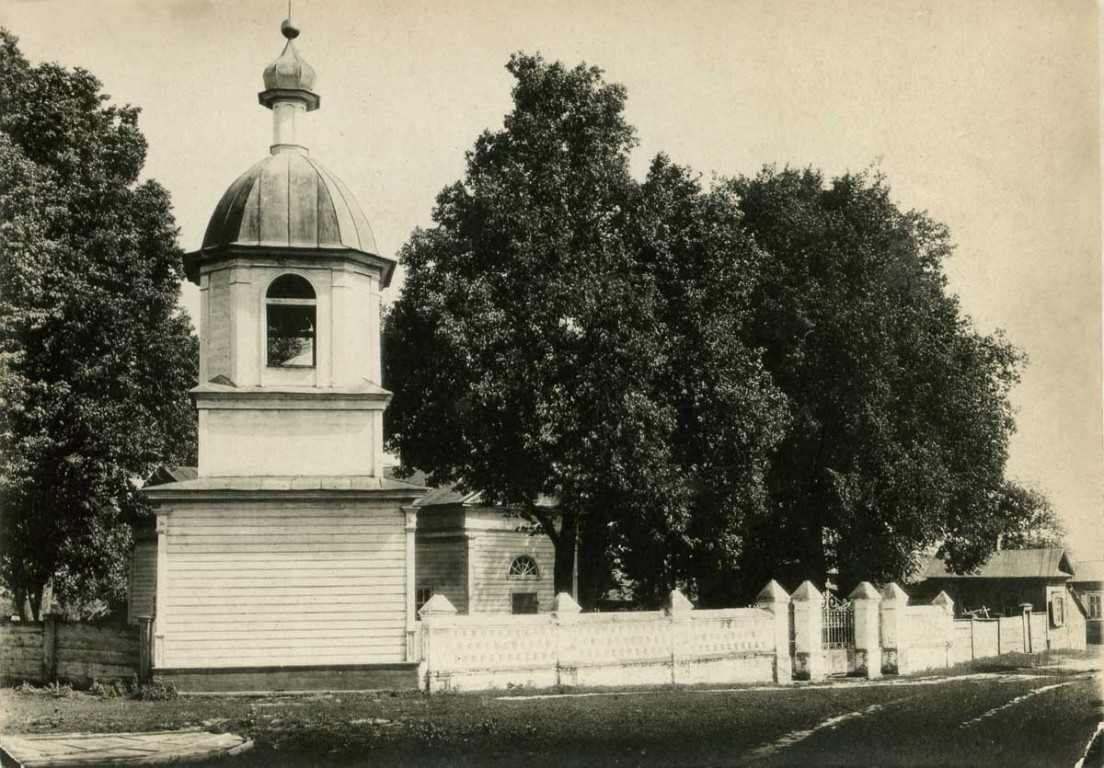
column 288, row 560
column 289, row 276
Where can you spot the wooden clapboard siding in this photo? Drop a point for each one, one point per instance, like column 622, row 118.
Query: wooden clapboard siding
column 266, row 585
column 143, row 580
column 229, row 547
column 294, row 601
column 492, row 552
column 187, row 582
column 442, row 563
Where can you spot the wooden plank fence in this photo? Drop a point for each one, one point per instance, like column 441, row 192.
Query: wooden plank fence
column 54, row 650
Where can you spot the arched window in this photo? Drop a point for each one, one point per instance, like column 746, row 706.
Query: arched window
column 524, row 567
column 290, row 309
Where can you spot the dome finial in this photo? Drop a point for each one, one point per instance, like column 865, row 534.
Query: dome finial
column 289, row 78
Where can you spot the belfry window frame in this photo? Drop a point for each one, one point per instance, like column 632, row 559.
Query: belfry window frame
column 279, row 301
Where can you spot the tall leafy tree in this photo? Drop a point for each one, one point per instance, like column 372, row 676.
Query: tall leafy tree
column 765, row 379
column 523, row 346
column 901, row 417
column 564, row 331
column 95, row 356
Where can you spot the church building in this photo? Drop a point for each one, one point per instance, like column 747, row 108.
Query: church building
column 287, row 562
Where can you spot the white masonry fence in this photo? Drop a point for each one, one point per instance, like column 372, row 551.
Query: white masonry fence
column 676, row 645
column 779, row 639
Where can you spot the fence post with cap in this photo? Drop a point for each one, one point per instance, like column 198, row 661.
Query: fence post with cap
column 808, row 605
column 865, row 601
column 775, row 600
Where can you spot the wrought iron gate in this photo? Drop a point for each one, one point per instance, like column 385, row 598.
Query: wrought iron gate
column 838, row 633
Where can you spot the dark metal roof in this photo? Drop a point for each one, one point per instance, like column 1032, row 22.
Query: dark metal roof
column 437, row 495
column 1088, row 570
column 171, row 474
column 289, row 204
column 449, row 495
column 288, row 200
column 1011, row 564
column 285, row 483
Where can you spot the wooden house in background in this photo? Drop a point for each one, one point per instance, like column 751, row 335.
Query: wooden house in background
column 1088, row 584
column 287, row 561
column 1008, row 580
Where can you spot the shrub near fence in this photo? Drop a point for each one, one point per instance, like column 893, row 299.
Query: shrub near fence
column 56, row 650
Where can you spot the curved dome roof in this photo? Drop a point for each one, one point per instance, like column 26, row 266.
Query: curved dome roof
column 288, row 200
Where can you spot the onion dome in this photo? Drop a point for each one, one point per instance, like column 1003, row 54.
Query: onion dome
column 288, row 205
column 289, row 77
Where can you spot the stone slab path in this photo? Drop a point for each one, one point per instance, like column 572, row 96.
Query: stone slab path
column 117, row 748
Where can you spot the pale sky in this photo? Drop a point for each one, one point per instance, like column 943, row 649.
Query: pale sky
column 985, row 114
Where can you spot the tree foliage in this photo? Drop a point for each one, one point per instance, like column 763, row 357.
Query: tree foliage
column 1028, row 521
column 521, row 346
column 545, row 342
column 766, row 378
column 95, row 356
column 728, row 415
column 901, row 417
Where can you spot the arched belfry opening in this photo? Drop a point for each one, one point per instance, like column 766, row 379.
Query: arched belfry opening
column 291, row 337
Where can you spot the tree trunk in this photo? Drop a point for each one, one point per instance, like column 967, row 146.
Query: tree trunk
column 563, row 540
column 36, row 603
column 19, row 595
column 564, row 576
column 592, row 562
column 815, row 567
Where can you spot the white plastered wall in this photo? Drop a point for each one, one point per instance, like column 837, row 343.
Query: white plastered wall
column 244, row 442
column 232, row 333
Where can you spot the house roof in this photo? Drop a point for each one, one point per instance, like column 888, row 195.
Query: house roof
column 167, row 473
column 284, row 483
column 1088, row 570
column 450, row 494
column 1011, row 564
column 437, row 495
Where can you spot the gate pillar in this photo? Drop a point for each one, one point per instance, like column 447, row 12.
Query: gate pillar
column 868, row 641
column 774, row 599
column 894, row 654
column 808, row 605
